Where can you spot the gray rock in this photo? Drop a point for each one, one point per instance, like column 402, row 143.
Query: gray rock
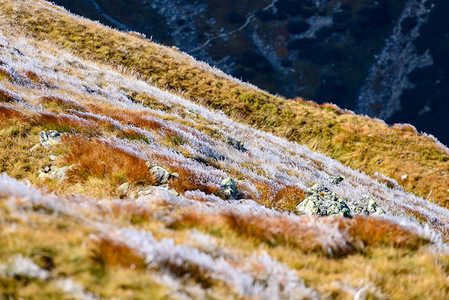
column 54, row 172
column 229, row 188
column 236, row 144
column 336, row 179
column 366, row 206
column 49, row 138
column 322, row 202
column 146, row 191
column 162, row 175
column 53, row 157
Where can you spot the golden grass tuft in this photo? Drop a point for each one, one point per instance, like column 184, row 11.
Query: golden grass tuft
column 375, row 232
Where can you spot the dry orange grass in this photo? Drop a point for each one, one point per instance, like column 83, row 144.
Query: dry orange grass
column 360, row 233
column 61, row 102
column 133, row 212
column 375, row 232
column 108, row 253
column 34, row 77
column 8, row 112
column 190, row 181
column 93, row 158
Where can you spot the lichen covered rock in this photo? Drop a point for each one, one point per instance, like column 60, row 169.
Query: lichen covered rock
column 366, row 206
column 322, row 202
column 161, row 175
column 228, row 188
column 49, row 138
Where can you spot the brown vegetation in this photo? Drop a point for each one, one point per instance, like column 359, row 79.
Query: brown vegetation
column 93, row 158
column 109, row 253
column 61, row 102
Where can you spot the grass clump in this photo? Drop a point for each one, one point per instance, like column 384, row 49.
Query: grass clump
column 92, row 158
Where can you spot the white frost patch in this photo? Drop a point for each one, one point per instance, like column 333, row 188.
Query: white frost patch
column 24, row 267
column 270, row 280
column 74, row 289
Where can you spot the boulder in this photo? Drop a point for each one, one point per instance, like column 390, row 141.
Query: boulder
column 49, row 138
column 229, row 188
column 322, row 202
column 366, row 206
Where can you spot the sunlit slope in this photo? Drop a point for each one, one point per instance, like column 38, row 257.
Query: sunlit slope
column 112, row 187
column 357, row 141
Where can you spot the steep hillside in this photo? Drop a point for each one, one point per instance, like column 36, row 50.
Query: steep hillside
column 415, row 161
column 120, row 180
column 382, row 58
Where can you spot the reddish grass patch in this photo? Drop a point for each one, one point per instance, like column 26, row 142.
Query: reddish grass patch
column 109, row 253
column 9, row 112
column 375, row 232
column 8, row 96
column 61, row 102
column 5, row 73
column 189, row 181
column 34, row 77
column 93, row 158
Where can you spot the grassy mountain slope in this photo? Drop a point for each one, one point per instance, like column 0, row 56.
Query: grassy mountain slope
column 86, row 217
column 359, row 142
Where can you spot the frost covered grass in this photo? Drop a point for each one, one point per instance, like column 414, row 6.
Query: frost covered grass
column 325, row 128
column 110, row 229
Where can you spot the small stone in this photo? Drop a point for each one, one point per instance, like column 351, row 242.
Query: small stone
column 53, row 157
column 123, row 188
column 236, row 144
column 53, row 172
column 162, row 175
column 229, row 188
column 145, row 191
column 49, row 138
column 192, row 111
column 336, row 179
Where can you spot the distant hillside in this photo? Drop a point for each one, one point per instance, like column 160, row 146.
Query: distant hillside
column 130, row 170
column 378, row 58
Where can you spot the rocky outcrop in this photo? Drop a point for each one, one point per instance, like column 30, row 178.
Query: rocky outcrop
column 322, row 202
column 366, row 206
